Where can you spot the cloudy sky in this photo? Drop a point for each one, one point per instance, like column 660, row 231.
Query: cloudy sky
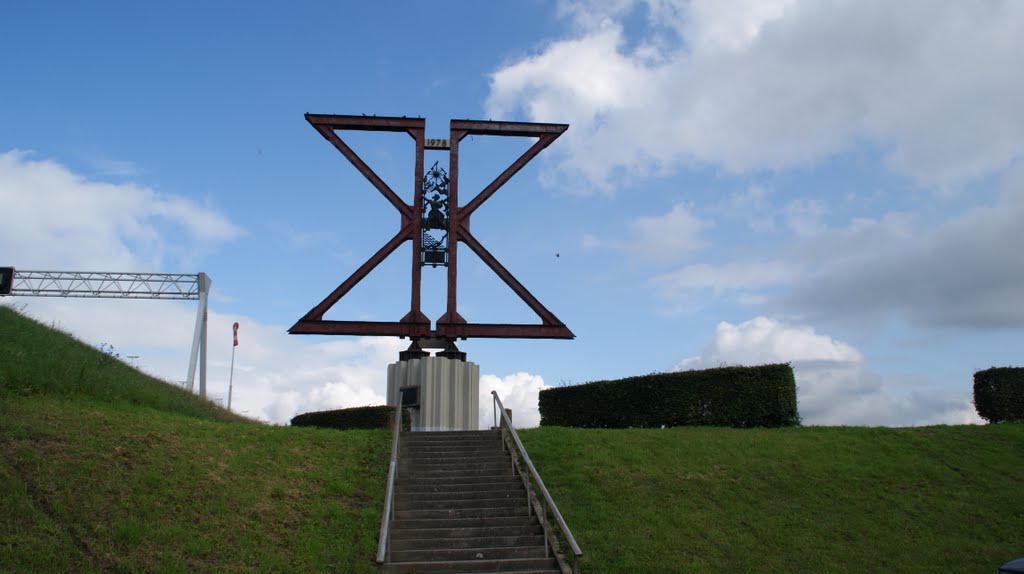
column 834, row 184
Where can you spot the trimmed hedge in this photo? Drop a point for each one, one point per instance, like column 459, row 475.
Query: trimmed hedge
column 355, row 418
column 763, row 396
column 999, row 394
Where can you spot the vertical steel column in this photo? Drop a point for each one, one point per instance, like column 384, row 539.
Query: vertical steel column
column 451, row 316
column 417, row 234
column 199, row 338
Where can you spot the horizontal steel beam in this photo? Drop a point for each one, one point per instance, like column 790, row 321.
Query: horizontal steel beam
column 366, row 123
column 489, row 128
column 365, row 328
column 106, row 285
column 420, row 330
column 503, row 331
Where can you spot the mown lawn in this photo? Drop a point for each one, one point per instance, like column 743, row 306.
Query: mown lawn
column 89, row 487
column 816, row 499
column 104, row 469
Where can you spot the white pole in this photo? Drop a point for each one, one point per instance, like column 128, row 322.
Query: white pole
column 202, row 354
column 199, row 338
column 231, row 377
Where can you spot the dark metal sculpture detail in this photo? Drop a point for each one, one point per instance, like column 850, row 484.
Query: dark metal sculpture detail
column 436, row 224
column 434, row 247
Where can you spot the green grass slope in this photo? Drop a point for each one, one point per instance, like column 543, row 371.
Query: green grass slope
column 36, row 360
column 815, row 499
column 103, row 469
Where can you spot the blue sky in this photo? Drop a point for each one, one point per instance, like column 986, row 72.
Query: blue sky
column 833, row 184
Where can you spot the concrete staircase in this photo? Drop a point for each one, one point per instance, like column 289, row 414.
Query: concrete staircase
column 459, row 508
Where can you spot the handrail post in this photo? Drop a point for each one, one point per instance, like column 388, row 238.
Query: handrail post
column 551, row 506
column 383, row 546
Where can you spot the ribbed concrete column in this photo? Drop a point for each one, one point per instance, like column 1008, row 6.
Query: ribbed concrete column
column 449, row 392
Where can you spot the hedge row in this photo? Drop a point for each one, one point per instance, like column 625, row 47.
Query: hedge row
column 355, row 418
column 999, row 394
column 763, row 396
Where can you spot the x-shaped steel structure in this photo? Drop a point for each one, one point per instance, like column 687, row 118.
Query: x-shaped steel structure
column 415, row 324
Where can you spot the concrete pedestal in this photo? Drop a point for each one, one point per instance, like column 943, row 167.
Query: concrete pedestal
column 448, row 391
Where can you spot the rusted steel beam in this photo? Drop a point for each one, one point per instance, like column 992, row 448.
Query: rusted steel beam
column 504, row 331
column 452, row 324
column 451, row 315
column 368, row 173
column 417, row 221
column 415, row 331
column 489, row 128
column 366, row 123
column 544, row 141
column 547, row 317
column 363, row 328
column 317, row 313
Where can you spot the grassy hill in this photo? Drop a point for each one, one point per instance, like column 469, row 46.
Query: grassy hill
column 815, row 499
column 103, row 469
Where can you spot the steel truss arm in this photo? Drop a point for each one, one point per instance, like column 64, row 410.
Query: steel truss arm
column 94, row 284
column 107, row 285
column 451, row 324
column 414, row 323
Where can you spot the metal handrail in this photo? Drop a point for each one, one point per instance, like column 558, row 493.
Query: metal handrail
column 540, row 483
column 389, row 495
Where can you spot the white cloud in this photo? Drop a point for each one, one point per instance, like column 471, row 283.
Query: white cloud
column 964, row 272
column 729, row 26
column 518, row 392
column 732, row 276
column 762, row 340
column 804, row 216
column 834, row 384
column 774, row 85
column 660, row 238
column 580, row 82
column 54, row 219
column 751, row 205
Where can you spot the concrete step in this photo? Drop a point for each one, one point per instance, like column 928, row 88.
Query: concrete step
column 463, row 504
column 521, row 565
column 427, row 451
column 519, row 510
column 423, row 438
column 455, row 459
column 443, row 435
column 447, row 485
column 452, row 443
column 465, row 475
column 455, row 456
column 466, row 532
column 445, row 554
column 459, row 508
column 414, row 442
column 492, row 442
column 460, row 543
column 413, row 523
column 497, row 466
column 451, row 449
column 451, row 495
